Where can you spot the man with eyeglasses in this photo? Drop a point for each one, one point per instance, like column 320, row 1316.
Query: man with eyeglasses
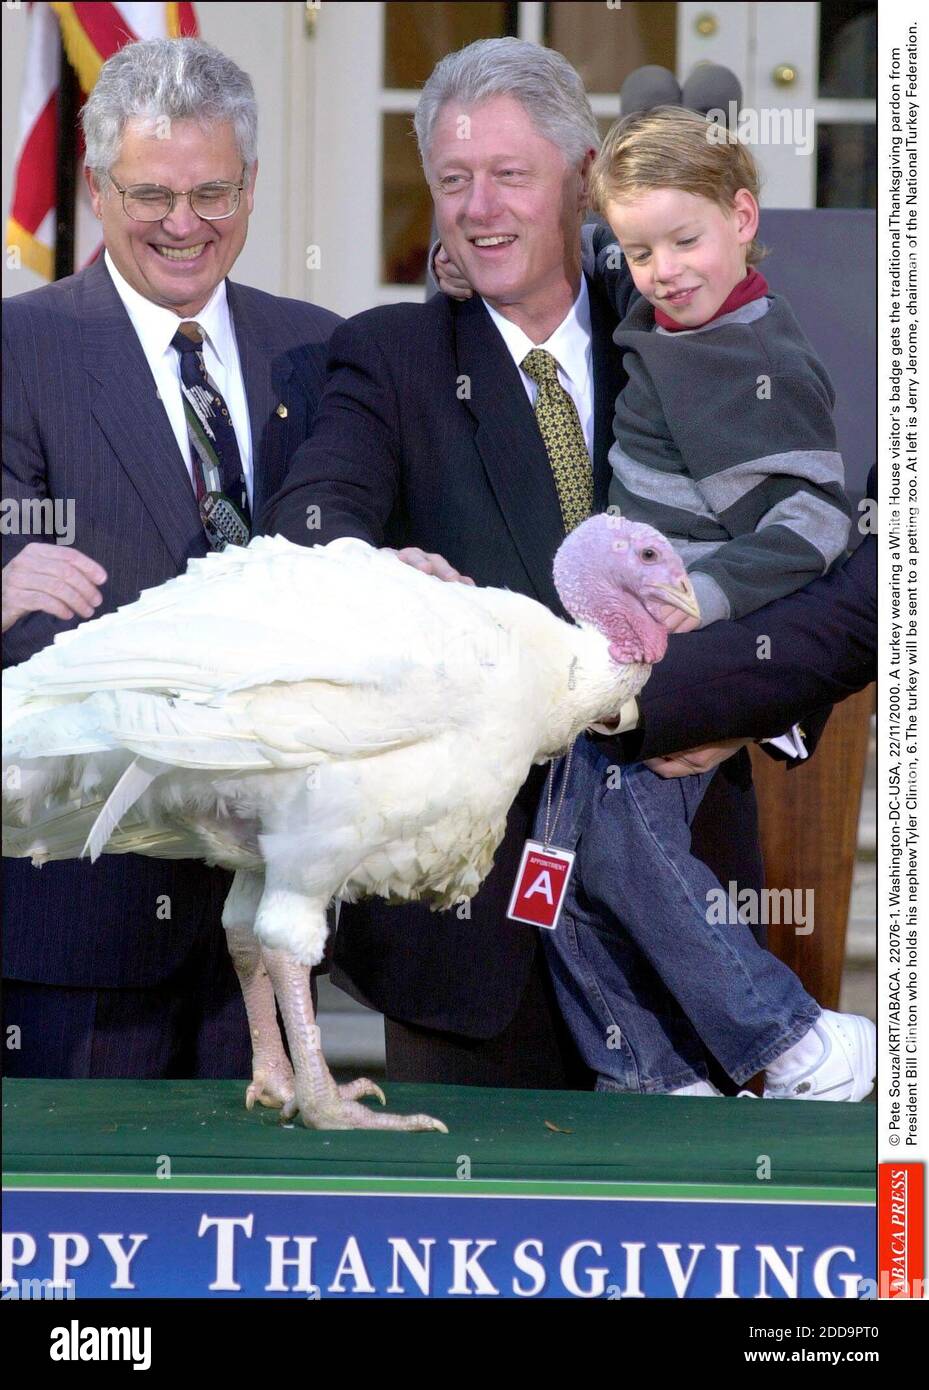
column 151, row 405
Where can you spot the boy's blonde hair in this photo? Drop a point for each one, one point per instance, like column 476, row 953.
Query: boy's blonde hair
column 669, row 147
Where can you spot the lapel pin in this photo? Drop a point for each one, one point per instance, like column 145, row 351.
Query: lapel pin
column 281, row 411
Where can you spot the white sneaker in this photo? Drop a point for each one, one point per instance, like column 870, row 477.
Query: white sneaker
column 844, row 1071
column 696, row 1088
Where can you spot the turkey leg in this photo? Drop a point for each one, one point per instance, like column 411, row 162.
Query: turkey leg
column 320, row 1102
column 272, row 1081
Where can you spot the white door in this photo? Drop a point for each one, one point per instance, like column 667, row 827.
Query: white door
column 809, row 84
column 360, row 208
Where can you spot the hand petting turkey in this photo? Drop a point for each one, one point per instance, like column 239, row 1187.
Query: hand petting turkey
column 429, row 563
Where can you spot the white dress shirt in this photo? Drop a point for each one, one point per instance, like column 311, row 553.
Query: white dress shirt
column 155, row 327
column 570, row 345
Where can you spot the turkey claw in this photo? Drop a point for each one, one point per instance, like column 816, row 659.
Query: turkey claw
column 353, row 1090
column 272, row 1087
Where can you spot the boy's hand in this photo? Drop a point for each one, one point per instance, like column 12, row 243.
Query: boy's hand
column 675, row 619
column 450, row 279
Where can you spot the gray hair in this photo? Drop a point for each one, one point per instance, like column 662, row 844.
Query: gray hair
column 540, row 79
column 182, row 79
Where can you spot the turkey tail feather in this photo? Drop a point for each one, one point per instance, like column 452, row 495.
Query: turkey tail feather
column 137, row 778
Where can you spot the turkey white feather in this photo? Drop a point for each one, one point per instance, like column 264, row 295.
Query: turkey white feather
column 330, row 723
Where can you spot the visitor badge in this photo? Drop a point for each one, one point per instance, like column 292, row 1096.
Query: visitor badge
column 541, row 884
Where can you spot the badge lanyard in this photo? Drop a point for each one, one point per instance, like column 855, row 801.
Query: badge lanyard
column 544, row 870
column 549, row 828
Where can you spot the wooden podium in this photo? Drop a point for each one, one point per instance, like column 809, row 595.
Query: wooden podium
column 809, row 836
column 809, row 816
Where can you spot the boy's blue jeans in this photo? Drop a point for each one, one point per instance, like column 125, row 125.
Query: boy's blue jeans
column 643, row 978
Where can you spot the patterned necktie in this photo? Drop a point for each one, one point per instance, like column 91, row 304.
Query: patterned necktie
column 564, row 439
column 214, row 450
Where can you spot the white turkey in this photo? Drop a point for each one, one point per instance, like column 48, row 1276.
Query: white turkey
column 329, row 723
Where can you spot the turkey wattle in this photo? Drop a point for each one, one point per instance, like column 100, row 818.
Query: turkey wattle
column 327, row 722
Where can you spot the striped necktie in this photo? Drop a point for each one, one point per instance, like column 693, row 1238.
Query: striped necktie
column 219, row 481
column 564, row 439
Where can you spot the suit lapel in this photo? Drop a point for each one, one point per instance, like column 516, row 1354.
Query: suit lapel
column 608, row 379
column 129, row 412
column 510, row 445
column 266, row 372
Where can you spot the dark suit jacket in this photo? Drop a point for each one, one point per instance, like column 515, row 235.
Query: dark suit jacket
column 82, row 421
column 425, row 436
column 712, row 685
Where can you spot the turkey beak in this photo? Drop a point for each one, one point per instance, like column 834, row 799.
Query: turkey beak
column 680, row 596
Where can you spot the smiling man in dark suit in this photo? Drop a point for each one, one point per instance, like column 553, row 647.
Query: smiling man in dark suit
column 469, row 436
column 121, row 969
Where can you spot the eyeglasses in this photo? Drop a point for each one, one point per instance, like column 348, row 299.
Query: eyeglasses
column 148, row 202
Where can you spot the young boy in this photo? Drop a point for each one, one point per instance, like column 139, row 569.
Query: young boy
column 724, row 441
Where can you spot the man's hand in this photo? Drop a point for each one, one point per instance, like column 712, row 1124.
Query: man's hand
column 696, row 759
column 429, row 564
column 54, row 579
column 450, row 279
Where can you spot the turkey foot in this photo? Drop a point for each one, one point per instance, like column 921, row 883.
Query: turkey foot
column 272, row 1082
column 319, row 1102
